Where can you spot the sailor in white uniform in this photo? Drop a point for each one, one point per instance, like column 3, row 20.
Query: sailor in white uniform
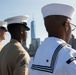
column 55, row 56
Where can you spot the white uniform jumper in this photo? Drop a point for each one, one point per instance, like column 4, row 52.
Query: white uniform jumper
column 54, row 57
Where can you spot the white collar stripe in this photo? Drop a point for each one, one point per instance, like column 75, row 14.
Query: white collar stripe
column 50, row 68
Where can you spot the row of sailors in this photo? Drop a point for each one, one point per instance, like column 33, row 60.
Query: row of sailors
column 53, row 57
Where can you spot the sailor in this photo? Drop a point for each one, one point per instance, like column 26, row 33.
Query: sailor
column 14, row 59
column 55, row 56
column 3, row 31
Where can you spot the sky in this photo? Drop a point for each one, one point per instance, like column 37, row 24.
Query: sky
column 10, row 8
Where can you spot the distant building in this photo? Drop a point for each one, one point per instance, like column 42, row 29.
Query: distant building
column 38, row 42
column 35, row 42
column 33, row 47
column 32, row 30
column 24, row 45
column 72, row 42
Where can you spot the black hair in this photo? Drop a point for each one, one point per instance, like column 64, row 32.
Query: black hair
column 12, row 28
column 3, row 28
